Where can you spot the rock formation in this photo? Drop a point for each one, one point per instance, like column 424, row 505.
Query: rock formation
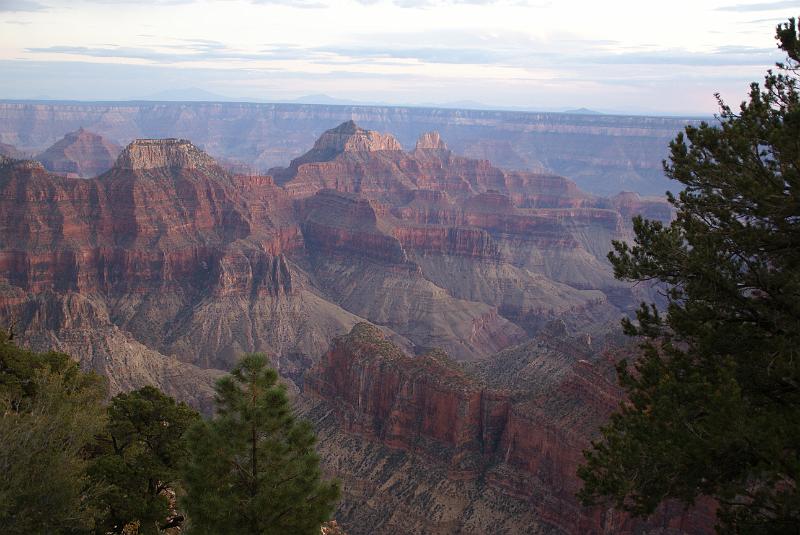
column 430, row 141
column 170, row 259
column 602, row 153
column 349, row 137
column 426, row 445
column 629, row 204
column 389, row 173
column 80, row 153
column 167, row 267
column 145, row 154
column 177, row 251
column 9, row 151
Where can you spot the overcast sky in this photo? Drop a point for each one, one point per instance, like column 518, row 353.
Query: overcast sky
column 638, row 56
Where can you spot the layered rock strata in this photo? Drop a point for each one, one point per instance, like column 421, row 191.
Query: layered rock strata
column 80, row 153
column 505, row 437
column 9, row 151
column 603, row 153
column 167, row 267
column 165, row 251
column 444, row 251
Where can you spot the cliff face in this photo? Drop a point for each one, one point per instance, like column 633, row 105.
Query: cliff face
column 430, row 141
column 425, row 404
column 349, row 137
column 9, row 151
column 355, row 252
column 506, row 236
column 445, row 251
column 142, row 219
column 630, row 204
column 151, row 154
column 80, row 153
column 390, row 173
column 165, row 252
column 167, row 267
column 603, row 154
column 505, row 435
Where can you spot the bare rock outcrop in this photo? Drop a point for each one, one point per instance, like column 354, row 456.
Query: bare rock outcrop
column 351, row 159
column 144, row 154
column 603, row 153
column 10, row 151
column 503, row 435
column 629, row 204
column 426, row 404
column 167, row 267
column 171, row 256
column 445, row 251
column 80, row 153
column 430, row 141
column 349, row 137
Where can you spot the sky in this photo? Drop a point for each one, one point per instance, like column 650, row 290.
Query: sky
column 616, row 56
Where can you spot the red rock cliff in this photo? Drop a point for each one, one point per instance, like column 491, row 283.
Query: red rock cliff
column 425, row 404
column 518, row 423
column 82, row 153
column 155, row 218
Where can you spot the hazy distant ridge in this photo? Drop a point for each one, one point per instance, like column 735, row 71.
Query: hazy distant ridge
column 602, row 153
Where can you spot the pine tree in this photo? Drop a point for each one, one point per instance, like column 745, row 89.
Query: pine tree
column 714, row 397
column 136, row 459
column 252, row 469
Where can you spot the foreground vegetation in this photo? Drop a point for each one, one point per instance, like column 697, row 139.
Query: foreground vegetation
column 714, row 397
column 73, row 463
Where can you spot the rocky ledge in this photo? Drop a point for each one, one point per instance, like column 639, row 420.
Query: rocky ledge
column 20, row 165
column 81, row 153
column 431, row 141
column 349, row 137
column 511, row 427
column 171, row 153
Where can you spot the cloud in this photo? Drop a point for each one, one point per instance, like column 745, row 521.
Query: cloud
column 773, row 21
column 462, row 56
column 304, row 4
column 518, row 50
column 155, row 2
column 422, row 4
column 194, row 50
column 766, row 6
column 113, row 52
column 104, row 81
column 719, row 58
column 467, row 49
column 7, row 6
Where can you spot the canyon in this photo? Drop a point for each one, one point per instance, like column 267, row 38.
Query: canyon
column 428, row 445
column 81, row 154
column 448, row 325
column 603, row 154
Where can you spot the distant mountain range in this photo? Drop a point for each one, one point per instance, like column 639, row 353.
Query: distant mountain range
column 194, row 94
column 604, row 154
column 583, row 111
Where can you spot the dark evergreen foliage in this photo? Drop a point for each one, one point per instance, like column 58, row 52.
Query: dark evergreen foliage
column 714, row 398
column 51, row 411
column 252, row 469
column 137, row 459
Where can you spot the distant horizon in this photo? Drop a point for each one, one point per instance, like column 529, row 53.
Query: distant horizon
column 305, row 100
column 621, row 57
